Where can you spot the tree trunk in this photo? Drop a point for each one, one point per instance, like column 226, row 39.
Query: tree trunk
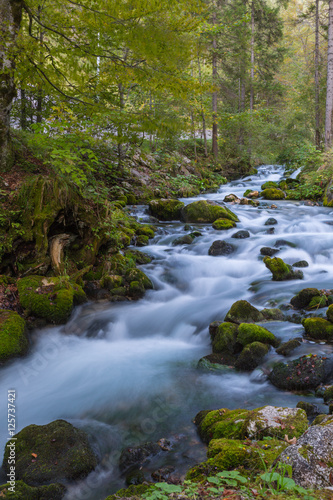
column 214, row 97
column 329, row 93
column 120, row 147
column 23, row 120
column 202, row 111
column 10, row 20
column 252, row 58
column 317, row 89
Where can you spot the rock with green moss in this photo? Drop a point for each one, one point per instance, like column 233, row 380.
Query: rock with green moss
column 135, row 456
column 111, row 281
column 310, row 409
column 243, row 312
column 329, row 313
column 248, row 333
column 269, row 185
column 287, row 347
column 206, row 212
column 280, row 270
column 318, row 328
column 276, row 421
column 268, row 421
column 142, row 230
column 304, row 373
column 166, row 209
column 50, row 453
column 311, row 458
column 137, row 275
column 225, row 339
column 52, row 299
column 217, row 362
column 213, row 329
column 273, row 314
column 24, row 492
column 328, row 195
column 273, row 194
column 317, row 302
column 251, row 356
column 142, row 240
column 13, row 337
column 187, row 239
column 137, row 256
column 223, row 224
column 328, row 394
column 304, row 297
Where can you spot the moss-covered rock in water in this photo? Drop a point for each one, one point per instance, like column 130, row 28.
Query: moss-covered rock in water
column 142, row 240
column 223, row 224
column 310, row 409
column 273, row 194
column 269, row 185
column 317, row 302
column 51, row 453
column 276, row 421
column 304, row 297
column 24, row 492
column 329, row 313
column 273, row 314
column 318, row 328
column 49, row 298
column 142, row 230
column 217, row 362
column 187, row 239
column 111, row 281
column 243, row 312
column 328, row 394
column 251, row 356
column 137, row 256
column 135, row 274
column 207, row 212
column 307, row 372
column 287, row 347
column 280, row 270
column 248, row 333
column 13, row 337
column 225, row 339
column 166, row 209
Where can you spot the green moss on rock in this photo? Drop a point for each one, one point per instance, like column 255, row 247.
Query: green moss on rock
column 145, row 231
column 111, row 281
column 137, row 256
column 280, row 270
column 304, row 297
column 243, row 312
column 133, row 491
column 13, row 337
column 49, row 298
column 166, row 209
column 63, row 453
column 273, row 194
column 24, row 492
column 329, row 313
column 225, row 339
column 222, row 423
column 248, row 333
column 223, row 224
column 328, row 394
column 251, row 356
column 318, row 328
column 206, row 212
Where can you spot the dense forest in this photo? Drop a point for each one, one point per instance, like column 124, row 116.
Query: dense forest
column 166, row 236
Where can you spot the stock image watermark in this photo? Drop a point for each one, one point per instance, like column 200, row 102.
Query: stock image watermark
column 11, row 445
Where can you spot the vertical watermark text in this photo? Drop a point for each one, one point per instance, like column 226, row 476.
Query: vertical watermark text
column 11, row 445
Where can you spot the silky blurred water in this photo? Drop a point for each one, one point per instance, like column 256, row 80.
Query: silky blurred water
column 126, row 372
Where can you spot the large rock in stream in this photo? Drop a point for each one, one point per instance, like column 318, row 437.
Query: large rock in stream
column 166, row 209
column 51, row 453
column 206, row 212
column 281, row 271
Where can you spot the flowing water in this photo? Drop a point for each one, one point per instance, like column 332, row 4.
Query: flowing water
column 126, row 372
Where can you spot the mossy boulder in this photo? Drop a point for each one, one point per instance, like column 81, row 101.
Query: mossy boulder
column 217, row 362
column 329, row 313
column 273, row 194
column 206, row 212
column 243, row 312
column 225, row 339
column 50, row 453
column 304, row 373
column 251, row 356
column 137, row 256
column 137, row 275
column 304, row 297
column 13, row 338
column 223, row 224
column 52, row 299
column 142, row 240
column 269, row 185
column 276, row 421
column 328, row 394
column 310, row 409
column 317, row 302
column 187, row 239
column 221, row 247
column 268, row 421
column 301, row 263
column 287, row 347
column 144, row 230
column 111, row 281
column 318, row 328
column 248, row 333
column 166, row 209
column 280, row 270
column 24, row 492
column 273, row 314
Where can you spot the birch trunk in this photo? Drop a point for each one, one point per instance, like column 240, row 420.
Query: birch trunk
column 329, row 92
column 214, row 97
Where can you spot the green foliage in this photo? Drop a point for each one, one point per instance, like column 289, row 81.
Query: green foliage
column 161, row 491
column 279, row 479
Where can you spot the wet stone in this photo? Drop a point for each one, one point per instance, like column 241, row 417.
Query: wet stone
column 241, row 235
column 220, row 247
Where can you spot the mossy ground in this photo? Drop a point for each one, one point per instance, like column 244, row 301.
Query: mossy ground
column 13, row 339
